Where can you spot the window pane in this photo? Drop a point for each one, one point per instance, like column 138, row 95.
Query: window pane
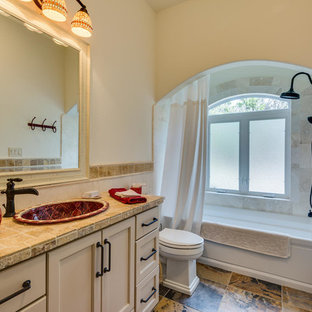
column 248, row 104
column 267, row 156
column 224, row 156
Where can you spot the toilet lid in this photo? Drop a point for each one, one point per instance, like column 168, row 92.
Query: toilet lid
column 179, row 238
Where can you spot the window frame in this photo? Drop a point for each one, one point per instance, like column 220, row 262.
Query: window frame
column 244, row 120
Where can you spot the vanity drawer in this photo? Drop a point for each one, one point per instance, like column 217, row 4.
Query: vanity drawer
column 38, row 306
column 147, row 255
column 146, row 222
column 147, row 292
column 12, row 280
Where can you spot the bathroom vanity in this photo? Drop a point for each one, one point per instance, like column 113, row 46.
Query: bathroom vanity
column 105, row 263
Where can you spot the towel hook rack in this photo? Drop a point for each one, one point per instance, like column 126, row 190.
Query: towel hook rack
column 43, row 127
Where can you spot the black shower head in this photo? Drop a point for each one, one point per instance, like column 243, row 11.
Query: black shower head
column 290, row 95
column 310, row 119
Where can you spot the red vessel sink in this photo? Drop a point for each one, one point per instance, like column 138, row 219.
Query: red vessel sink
column 61, row 212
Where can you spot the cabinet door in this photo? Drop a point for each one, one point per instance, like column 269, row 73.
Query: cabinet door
column 72, row 282
column 118, row 278
column 37, row 306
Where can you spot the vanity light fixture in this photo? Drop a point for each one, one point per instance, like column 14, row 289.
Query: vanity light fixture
column 81, row 24
column 32, row 28
column 59, row 42
column 291, row 94
column 4, row 13
column 56, row 10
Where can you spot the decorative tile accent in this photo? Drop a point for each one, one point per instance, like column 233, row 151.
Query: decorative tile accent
column 101, row 171
column 206, row 298
column 238, row 300
column 296, row 300
column 21, row 164
column 213, row 274
column 258, row 287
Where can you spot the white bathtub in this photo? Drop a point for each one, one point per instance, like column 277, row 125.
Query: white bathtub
column 295, row 271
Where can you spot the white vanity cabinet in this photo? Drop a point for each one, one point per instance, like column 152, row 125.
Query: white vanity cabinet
column 94, row 273
column 147, row 260
column 113, row 270
column 118, row 277
column 22, row 284
column 72, row 270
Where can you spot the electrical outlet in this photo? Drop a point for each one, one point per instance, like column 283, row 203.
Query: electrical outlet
column 15, row 152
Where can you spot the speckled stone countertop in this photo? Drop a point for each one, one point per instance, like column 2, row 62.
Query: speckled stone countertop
column 20, row 241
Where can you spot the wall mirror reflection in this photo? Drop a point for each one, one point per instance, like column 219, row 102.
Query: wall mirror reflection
column 39, row 119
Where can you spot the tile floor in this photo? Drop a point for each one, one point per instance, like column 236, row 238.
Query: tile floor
column 224, row 291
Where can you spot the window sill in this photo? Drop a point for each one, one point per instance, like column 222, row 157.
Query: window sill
column 242, row 196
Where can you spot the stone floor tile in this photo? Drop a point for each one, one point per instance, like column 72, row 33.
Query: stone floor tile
column 256, row 286
column 213, row 274
column 206, row 297
column 168, row 305
column 239, row 300
column 296, row 300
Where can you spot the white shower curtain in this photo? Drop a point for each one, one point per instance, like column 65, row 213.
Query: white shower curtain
column 180, row 155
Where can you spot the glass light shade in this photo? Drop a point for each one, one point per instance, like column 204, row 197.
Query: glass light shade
column 81, row 24
column 55, row 10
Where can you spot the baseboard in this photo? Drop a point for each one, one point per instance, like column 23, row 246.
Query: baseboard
column 257, row 274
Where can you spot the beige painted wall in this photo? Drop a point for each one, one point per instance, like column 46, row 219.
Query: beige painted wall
column 122, row 81
column 122, row 78
column 200, row 34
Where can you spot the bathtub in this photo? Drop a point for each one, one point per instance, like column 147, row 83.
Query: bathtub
column 293, row 271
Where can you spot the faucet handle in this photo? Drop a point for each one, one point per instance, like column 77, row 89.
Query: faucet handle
column 15, row 180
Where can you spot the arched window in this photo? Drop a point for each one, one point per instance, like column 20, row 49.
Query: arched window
column 249, row 145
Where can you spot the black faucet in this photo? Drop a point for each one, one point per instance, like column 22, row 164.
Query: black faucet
column 10, row 194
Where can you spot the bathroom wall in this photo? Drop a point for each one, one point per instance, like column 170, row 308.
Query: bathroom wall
column 122, row 78
column 200, row 34
column 67, row 191
column 122, row 82
column 121, row 94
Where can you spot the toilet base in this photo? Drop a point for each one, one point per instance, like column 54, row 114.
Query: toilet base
column 181, row 276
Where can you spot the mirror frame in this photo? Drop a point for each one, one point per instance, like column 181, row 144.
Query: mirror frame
column 45, row 177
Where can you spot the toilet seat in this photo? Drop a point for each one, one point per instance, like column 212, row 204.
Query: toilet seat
column 180, row 243
column 180, row 239
column 188, row 253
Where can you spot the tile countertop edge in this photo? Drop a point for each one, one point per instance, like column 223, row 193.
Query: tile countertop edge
column 76, row 229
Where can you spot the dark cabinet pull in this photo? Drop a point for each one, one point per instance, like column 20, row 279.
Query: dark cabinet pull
column 148, row 224
column 152, row 254
column 150, row 296
column 99, row 245
column 26, row 285
column 106, row 241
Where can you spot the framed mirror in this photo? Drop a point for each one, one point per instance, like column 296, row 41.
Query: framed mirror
column 44, row 99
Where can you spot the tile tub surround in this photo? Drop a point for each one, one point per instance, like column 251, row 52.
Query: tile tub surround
column 19, row 241
column 225, row 291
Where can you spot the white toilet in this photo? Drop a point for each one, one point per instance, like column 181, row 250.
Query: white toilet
column 179, row 250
